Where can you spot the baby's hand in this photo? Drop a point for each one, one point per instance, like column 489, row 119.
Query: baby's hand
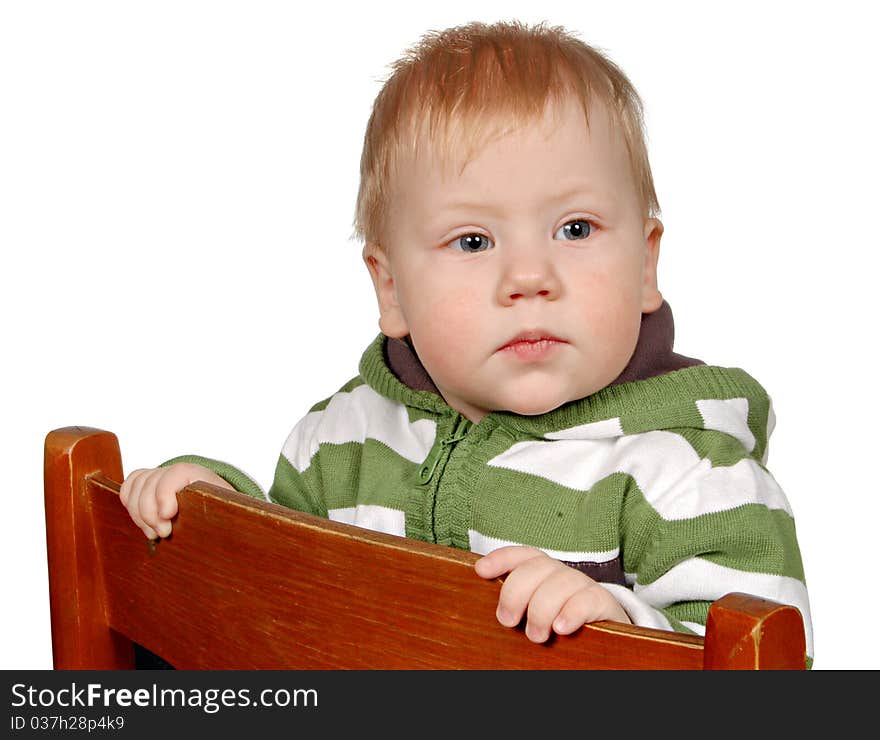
column 150, row 494
column 558, row 597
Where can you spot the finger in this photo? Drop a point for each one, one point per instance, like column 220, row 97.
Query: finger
column 148, row 507
column 503, row 560
column 133, row 506
column 520, row 586
column 576, row 612
column 550, row 597
column 590, row 604
column 167, row 487
column 125, row 488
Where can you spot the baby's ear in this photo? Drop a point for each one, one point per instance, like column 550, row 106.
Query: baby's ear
column 391, row 319
column 652, row 298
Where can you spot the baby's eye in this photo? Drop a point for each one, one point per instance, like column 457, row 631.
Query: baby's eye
column 472, row 243
column 577, row 229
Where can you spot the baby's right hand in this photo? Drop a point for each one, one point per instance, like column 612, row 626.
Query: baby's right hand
column 150, row 494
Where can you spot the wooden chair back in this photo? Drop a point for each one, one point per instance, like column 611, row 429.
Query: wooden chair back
column 248, row 584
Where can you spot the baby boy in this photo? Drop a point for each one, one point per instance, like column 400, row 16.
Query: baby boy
column 523, row 400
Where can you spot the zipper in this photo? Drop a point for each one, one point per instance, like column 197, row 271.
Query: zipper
column 459, row 432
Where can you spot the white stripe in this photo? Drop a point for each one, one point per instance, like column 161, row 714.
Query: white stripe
column 701, row 580
column 368, row 516
column 707, row 490
column 354, row 417
column 700, row 629
column 639, row 612
column 594, row 430
column 730, row 416
column 673, row 478
column 483, row 544
column 301, row 444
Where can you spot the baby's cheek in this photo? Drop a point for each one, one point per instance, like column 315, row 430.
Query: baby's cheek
column 448, row 331
column 616, row 340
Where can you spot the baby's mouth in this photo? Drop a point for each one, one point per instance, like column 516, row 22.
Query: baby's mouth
column 532, row 345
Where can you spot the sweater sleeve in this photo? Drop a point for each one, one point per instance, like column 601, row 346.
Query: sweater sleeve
column 726, row 526
column 295, row 489
column 240, row 481
column 297, row 481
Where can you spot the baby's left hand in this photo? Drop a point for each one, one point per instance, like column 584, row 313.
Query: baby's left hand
column 558, row 597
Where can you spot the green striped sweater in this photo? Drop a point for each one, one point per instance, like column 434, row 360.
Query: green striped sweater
column 657, row 487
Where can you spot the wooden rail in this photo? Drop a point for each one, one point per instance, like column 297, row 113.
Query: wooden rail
column 248, row 584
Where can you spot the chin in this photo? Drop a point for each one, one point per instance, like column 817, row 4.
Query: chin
column 535, row 406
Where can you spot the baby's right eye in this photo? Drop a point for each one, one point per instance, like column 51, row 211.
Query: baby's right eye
column 472, row 243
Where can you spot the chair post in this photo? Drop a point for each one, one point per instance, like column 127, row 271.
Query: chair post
column 744, row 632
column 80, row 635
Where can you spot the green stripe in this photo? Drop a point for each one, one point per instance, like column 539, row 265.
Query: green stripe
column 538, row 512
column 688, row 611
column 346, row 475
column 765, row 543
column 639, row 524
column 662, row 418
column 750, row 538
column 759, row 411
column 300, row 491
column 719, row 448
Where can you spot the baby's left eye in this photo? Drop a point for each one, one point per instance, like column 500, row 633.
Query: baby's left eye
column 573, row 230
column 470, row 243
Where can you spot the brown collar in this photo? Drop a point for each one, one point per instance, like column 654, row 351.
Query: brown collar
column 653, row 354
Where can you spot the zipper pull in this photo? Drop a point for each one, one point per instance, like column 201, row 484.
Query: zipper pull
column 461, row 429
column 430, row 464
column 426, row 472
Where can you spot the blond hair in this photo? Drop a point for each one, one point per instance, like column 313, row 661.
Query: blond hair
column 460, row 85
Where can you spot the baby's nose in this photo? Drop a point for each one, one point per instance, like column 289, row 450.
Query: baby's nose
column 533, row 283
column 530, row 291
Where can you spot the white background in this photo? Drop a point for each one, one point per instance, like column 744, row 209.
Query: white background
column 177, row 183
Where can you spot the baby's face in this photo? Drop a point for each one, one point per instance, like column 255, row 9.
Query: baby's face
column 522, row 278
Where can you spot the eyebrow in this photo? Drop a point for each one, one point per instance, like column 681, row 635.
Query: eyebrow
column 603, row 198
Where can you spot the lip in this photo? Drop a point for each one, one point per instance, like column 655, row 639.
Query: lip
column 534, row 344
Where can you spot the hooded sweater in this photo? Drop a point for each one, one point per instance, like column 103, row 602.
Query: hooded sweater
column 656, row 486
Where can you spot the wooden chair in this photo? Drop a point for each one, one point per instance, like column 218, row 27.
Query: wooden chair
column 247, row 584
